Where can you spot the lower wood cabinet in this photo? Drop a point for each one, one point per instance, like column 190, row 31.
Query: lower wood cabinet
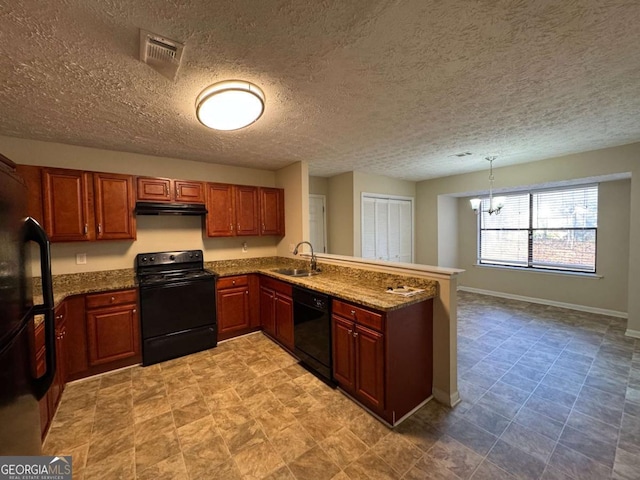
column 276, row 310
column 236, row 304
column 113, row 327
column 384, row 360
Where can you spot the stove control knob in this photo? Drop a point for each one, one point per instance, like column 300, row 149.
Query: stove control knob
column 172, row 257
column 197, row 254
column 144, row 259
column 191, row 255
column 152, row 259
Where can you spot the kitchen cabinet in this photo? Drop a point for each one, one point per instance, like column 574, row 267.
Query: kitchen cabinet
column 220, row 221
column 156, row 189
column 244, row 210
column 358, row 360
column 384, row 360
column 276, row 310
column 49, row 403
column 236, row 304
column 76, row 360
column 81, row 206
column 32, row 176
column 113, row 327
column 271, row 211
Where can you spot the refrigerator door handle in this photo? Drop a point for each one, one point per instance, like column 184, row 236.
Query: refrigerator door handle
column 34, row 232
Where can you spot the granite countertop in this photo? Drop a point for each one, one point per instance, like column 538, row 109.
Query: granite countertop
column 362, row 286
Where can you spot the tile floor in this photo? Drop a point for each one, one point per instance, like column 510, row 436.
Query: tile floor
column 547, row 393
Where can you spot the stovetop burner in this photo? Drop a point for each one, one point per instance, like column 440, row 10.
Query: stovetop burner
column 167, row 267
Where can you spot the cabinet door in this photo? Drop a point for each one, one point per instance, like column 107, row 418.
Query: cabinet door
column 284, row 319
column 57, row 386
column 267, row 310
column 246, row 210
column 343, row 353
column 114, row 203
column 220, row 219
column 271, row 211
column 233, row 309
column 153, row 189
column 66, row 204
column 369, row 366
column 188, row 192
column 113, row 334
column 76, row 361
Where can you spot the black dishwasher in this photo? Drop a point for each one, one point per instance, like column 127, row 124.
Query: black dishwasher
column 312, row 331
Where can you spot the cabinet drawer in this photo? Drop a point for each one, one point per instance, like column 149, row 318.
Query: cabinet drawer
column 358, row 314
column 230, row 282
column 107, row 299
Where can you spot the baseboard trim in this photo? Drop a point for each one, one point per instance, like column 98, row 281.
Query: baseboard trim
column 543, row 301
column 448, row 399
column 632, row 333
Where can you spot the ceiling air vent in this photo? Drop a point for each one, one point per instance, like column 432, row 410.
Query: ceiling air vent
column 160, row 53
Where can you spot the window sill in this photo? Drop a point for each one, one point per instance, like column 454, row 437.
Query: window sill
column 592, row 276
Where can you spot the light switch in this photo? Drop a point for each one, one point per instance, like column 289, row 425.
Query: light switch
column 81, row 258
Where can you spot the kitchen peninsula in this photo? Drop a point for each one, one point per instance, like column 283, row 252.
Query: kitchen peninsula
column 394, row 349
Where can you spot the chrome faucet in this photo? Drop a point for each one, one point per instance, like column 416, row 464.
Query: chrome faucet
column 313, row 266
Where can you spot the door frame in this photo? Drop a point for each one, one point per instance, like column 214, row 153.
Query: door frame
column 324, row 217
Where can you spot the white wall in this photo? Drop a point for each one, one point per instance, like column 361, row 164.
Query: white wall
column 340, row 220
column 295, row 181
column 448, row 238
column 606, row 293
column 155, row 233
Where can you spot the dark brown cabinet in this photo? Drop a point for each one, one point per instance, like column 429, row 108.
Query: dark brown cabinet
column 236, row 306
column 49, row 403
column 114, row 203
column 66, row 204
column 113, row 327
column 244, row 210
column 81, row 206
column 32, row 176
column 384, row 360
column 156, row 189
column 276, row 310
column 220, row 221
column 359, row 361
column 271, row 211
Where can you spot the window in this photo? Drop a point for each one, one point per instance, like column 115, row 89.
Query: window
column 387, row 227
column 547, row 229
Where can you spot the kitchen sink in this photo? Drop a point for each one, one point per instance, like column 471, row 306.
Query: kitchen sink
column 295, row 272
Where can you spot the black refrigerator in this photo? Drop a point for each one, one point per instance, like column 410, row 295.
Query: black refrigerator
column 19, row 390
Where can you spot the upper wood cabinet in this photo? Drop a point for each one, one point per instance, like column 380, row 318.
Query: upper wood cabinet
column 80, row 206
column 271, row 211
column 32, row 176
column 114, row 203
column 244, row 210
column 156, row 189
column 221, row 218
column 67, row 203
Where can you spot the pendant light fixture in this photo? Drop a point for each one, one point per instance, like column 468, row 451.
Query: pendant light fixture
column 495, row 203
column 230, row 105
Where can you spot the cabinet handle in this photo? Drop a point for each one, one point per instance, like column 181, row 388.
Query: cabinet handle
column 166, row 191
column 350, row 332
column 355, row 334
column 134, row 310
column 353, row 312
column 86, row 228
column 113, row 299
column 238, row 227
column 247, row 292
column 100, row 228
column 231, row 227
column 233, row 282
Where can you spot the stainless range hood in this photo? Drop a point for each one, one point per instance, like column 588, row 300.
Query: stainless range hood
column 158, row 208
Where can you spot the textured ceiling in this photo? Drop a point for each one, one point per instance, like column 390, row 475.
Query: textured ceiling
column 387, row 87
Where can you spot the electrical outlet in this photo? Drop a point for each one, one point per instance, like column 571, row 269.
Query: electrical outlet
column 245, row 247
column 81, row 258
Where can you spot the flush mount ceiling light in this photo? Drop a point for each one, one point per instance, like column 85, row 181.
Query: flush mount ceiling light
column 230, row 105
column 495, row 203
